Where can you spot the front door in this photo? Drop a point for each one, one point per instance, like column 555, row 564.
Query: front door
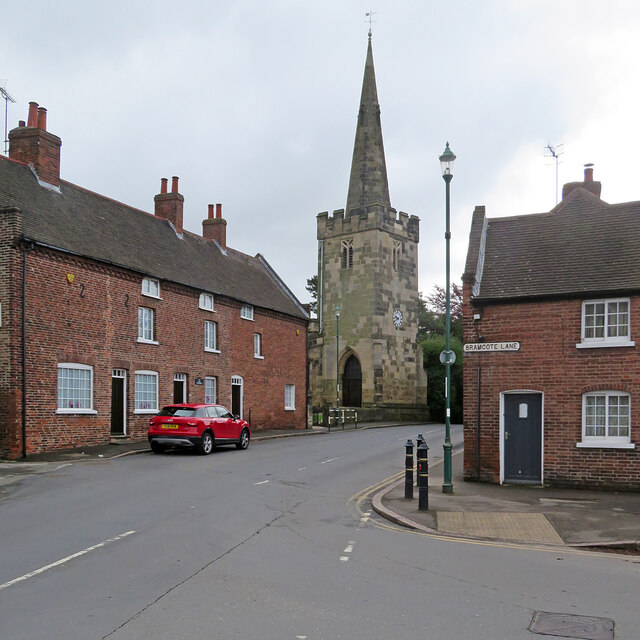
column 352, row 383
column 236, row 395
column 118, row 402
column 522, row 437
column 179, row 388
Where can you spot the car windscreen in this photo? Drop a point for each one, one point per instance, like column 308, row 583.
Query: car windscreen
column 178, row 412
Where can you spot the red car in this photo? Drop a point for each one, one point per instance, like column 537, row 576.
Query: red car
column 202, row 426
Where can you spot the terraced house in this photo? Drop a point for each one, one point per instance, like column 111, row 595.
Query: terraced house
column 108, row 312
column 551, row 328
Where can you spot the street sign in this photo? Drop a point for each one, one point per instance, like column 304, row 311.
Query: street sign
column 443, row 356
column 492, row 346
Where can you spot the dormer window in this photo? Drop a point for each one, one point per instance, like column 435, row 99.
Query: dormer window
column 151, row 287
column 246, row 312
column 346, row 249
column 206, row 301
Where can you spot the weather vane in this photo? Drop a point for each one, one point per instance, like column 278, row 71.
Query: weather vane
column 369, row 14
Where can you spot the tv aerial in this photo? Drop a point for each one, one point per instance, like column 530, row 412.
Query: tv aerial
column 7, row 99
column 552, row 155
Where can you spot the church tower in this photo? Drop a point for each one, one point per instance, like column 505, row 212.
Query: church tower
column 368, row 274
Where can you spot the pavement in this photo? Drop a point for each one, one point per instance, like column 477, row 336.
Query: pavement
column 601, row 520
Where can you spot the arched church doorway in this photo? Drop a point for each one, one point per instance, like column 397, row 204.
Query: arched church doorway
column 352, row 383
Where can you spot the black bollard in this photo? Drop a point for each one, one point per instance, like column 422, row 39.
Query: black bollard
column 419, row 441
column 408, row 470
column 423, row 477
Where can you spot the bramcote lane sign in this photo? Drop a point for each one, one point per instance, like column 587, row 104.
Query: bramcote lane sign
column 491, row 346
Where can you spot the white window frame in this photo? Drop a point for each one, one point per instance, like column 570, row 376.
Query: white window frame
column 605, row 340
column 290, row 401
column 605, row 441
column 150, row 409
column 76, row 367
column 246, row 312
column 141, row 338
column 148, row 286
column 212, row 382
column 202, row 302
column 211, row 327
column 257, row 346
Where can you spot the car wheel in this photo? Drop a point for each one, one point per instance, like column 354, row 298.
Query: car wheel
column 206, row 444
column 244, row 440
column 156, row 447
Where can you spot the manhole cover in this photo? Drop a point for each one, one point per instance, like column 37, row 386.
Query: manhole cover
column 569, row 626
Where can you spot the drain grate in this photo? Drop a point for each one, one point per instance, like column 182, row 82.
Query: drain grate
column 570, row 626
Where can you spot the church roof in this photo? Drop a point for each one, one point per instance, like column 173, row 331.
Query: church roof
column 368, row 181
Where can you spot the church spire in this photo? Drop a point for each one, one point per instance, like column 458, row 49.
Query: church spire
column 368, row 182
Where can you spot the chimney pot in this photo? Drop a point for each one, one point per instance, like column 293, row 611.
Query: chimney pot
column 163, row 185
column 174, row 184
column 588, row 172
column 210, row 212
column 218, row 210
column 42, row 118
column 21, row 123
column 32, row 118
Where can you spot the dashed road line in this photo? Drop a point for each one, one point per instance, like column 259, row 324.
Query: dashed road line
column 263, row 482
column 57, row 563
column 331, row 460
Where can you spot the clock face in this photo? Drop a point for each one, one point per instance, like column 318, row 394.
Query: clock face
column 397, row 318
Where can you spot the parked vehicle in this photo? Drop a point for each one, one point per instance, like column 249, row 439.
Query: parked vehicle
column 203, row 426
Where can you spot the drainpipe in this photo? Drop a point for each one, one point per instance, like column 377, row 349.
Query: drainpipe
column 25, row 250
column 478, row 424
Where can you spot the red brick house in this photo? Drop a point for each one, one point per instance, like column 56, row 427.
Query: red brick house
column 108, row 312
column 551, row 328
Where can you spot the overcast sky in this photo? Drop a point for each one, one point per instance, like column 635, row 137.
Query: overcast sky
column 254, row 105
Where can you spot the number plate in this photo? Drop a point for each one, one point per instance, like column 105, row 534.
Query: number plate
column 170, row 426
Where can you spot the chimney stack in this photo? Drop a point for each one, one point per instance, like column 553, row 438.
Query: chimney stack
column 35, row 146
column 170, row 206
column 591, row 185
column 215, row 228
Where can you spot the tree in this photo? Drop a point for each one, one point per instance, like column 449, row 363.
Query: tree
column 312, row 288
column 431, row 321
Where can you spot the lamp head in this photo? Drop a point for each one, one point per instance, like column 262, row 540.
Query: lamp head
column 337, row 311
column 446, row 161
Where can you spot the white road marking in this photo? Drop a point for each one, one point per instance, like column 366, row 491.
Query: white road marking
column 349, row 549
column 263, row 482
column 301, row 469
column 344, row 558
column 301, row 637
column 26, row 576
column 331, row 460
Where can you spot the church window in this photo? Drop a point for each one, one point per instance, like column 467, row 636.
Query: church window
column 347, row 254
column 397, row 252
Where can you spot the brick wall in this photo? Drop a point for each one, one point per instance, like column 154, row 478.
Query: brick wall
column 93, row 320
column 550, row 363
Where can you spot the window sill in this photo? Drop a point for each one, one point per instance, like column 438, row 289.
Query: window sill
column 249, row 319
column 207, row 309
column 605, row 445
column 600, row 345
column 211, row 350
column 289, row 408
column 85, row 412
column 143, row 341
column 149, row 295
column 258, row 357
column 145, row 411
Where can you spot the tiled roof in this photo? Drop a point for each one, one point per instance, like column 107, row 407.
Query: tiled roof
column 583, row 245
column 87, row 224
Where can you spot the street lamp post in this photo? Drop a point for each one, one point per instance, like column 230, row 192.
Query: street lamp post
column 446, row 164
column 337, row 365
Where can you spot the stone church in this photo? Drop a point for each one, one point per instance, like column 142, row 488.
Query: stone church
column 363, row 348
